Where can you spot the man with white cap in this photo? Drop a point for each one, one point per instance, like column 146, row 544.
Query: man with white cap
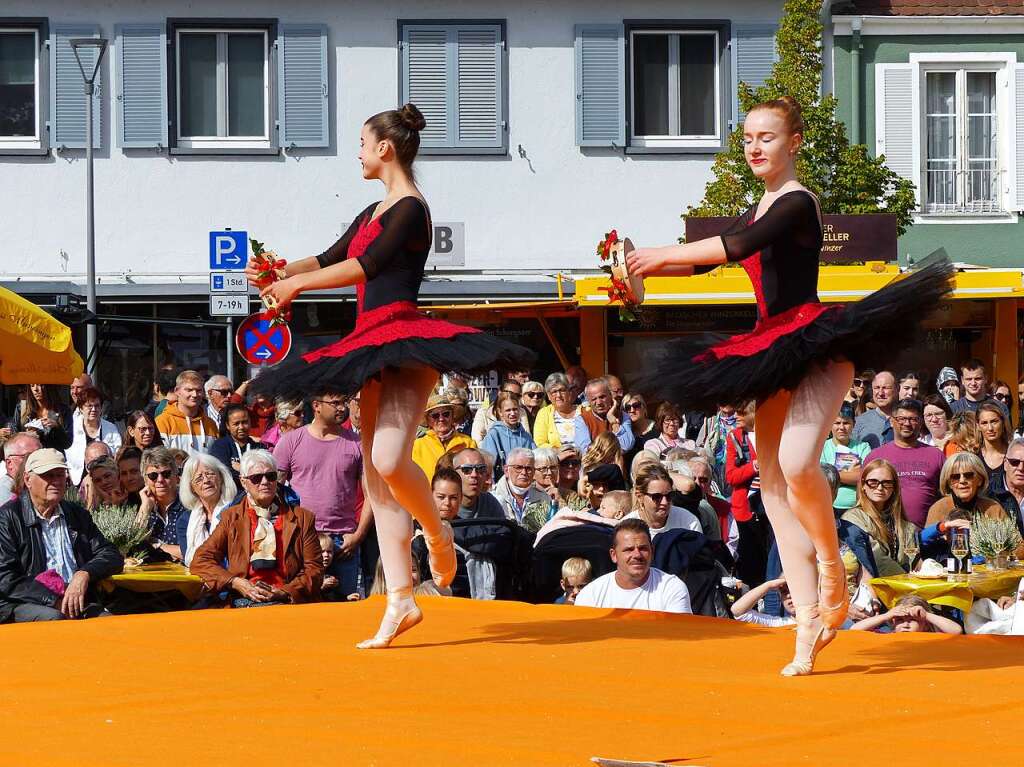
column 51, row 552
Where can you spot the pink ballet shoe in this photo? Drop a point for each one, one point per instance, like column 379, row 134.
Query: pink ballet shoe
column 832, row 586
column 401, row 615
column 441, row 552
column 812, row 636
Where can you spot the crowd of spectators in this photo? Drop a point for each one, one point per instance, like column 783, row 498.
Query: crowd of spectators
column 571, row 489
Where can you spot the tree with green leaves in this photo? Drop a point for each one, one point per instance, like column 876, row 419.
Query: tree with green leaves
column 846, row 178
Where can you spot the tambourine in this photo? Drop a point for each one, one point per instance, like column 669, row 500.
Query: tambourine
column 634, row 284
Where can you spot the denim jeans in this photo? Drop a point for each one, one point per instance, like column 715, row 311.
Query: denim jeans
column 345, row 569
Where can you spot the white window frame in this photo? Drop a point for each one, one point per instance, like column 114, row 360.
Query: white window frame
column 709, row 141
column 223, row 142
column 35, row 141
column 1004, row 65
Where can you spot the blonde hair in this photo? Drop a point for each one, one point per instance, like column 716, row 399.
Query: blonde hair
column 959, row 461
column 577, row 567
column 604, row 449
column 912, row 600
column 991, row 407
column 893, row 510
column 326, row 542
column 963, row 432
column 620, row 499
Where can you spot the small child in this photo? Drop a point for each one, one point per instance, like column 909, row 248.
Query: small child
column 329, row 590
column 909, row 613
column 615, row 504
column 576, row 573
column 745, row 608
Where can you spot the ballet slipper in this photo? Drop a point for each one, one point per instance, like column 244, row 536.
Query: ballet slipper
column 832, row 584
column 811, row 638
column 400, row 616
column 441, row 552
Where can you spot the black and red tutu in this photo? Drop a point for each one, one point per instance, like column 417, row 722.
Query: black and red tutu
column 701, row 372
column 395, row 335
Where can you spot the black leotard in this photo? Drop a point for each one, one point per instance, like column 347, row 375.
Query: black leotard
column 779, row 251
column 392, row 249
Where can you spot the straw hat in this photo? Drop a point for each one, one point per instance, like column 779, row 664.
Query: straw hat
column 443, row 400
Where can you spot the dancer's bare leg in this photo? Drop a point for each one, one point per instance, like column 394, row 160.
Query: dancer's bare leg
column 812, row 409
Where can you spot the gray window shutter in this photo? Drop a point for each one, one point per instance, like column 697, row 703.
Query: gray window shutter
column 894, row 120
column 754, row 56
column 302, row 85
column 67, row 95
column 140, row 59
column 600, row 85
column 478, row 87
column 1018, row 121
column 427, row 82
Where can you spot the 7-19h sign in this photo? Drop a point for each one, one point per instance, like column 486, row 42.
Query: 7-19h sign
column 261, row 343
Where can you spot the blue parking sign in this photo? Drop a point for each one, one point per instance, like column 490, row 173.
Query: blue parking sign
column 228, row 250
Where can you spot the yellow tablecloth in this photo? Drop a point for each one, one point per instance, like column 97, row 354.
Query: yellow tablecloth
column 162, row 576
column 982, row 583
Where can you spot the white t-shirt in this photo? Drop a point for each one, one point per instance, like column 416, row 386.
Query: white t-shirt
column 764, row 619
column 678, row 519
column 662, row 592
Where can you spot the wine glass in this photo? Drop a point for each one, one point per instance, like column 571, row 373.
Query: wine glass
column 911, row 547
column 959, row 549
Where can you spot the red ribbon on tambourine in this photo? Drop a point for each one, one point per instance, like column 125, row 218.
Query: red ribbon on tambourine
column 270, row 269
column 626, row 289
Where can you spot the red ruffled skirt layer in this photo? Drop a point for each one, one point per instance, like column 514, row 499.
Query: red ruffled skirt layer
column 701, row 372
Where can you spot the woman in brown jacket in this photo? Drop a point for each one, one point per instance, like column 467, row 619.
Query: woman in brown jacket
column 272, row 550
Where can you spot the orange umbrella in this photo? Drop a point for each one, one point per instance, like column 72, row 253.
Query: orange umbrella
column 34, row 347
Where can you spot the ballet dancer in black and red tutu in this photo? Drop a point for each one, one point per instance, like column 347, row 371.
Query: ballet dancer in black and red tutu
column 392, row 356
column 797, row 363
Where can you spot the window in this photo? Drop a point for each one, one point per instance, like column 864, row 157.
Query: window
column 223, row 89
column 455, row 73
column 19, row 89
column 674, row 88
column 962, row 164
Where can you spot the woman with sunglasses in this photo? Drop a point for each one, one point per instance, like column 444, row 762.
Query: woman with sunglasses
column 878, row 511
column 797, row 363
column 652, row 502
column 963, row 485
column 263, row 551
column 392, row 357
column 141, row 431
column 860, row 391
column 288, row 414
column 644, row 428
column 994, row 428
column 532, row 402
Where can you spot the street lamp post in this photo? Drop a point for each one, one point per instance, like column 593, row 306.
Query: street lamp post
column 99, row 46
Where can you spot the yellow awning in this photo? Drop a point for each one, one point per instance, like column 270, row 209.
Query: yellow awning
column 836, row 283
column 34, row 347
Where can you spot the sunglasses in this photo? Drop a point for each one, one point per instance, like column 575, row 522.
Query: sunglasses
column 165, row 474
column 1015, row 462
column 966, row 476
column 257, row 479
column 473, row 468
column 532, row 394
column 859, row 382
column 634, row 406
column 570, row 463
column 437, row 415
column 222, row 392
column 658, row 498
column 885, row 484
column 1002, row 397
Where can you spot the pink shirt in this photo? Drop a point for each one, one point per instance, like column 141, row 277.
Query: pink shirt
column 326, row 475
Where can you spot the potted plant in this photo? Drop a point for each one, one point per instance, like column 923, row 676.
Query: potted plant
column 995, row 539
column 122, row 527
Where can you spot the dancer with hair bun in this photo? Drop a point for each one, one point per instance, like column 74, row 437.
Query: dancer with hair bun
column 797, row 363
column 392, row 356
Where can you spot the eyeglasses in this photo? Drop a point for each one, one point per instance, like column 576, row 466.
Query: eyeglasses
column 934, row 416
column 557, row 390
column 337, row 404
column 473, row 468
column 547, row 469
column 570, row 463
column 437, row 415
column 518, row 469
column 204, row 475
column 257, row 478
column 146, row 428
column 670, row 419
column 965, row 476
column 152, row 476
column 906, row 419
column 702, row 480
column 658, row 498
column 633, row 406
column 1001, row 397
column 885, row 484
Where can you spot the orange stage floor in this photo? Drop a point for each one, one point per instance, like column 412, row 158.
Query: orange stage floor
column 481, row 683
